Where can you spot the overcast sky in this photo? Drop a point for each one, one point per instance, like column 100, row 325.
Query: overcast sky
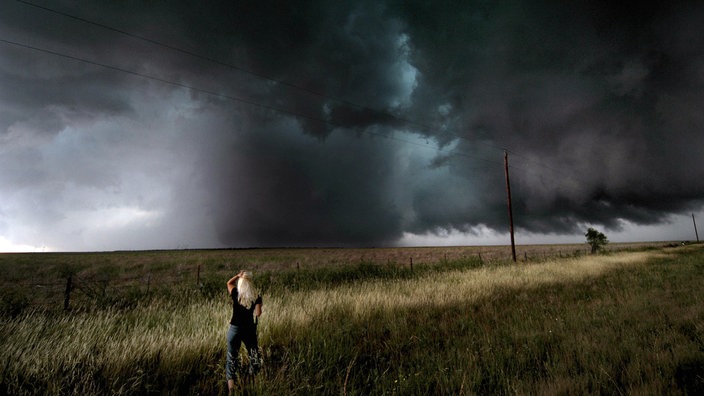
column 163, row 125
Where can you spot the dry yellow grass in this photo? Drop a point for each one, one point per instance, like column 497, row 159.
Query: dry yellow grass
column 456, row 287
column 111, row 339
column 161, row 339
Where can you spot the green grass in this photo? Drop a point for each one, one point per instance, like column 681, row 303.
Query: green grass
column 623, row 323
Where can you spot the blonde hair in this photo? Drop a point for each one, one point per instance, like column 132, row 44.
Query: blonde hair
column 246, row 293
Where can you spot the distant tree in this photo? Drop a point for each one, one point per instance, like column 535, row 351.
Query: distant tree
column 596, row 239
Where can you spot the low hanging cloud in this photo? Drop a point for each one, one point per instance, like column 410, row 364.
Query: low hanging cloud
column 354, row 123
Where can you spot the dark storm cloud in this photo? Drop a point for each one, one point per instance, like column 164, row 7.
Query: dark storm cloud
column 371, row 118
column 583, row 95
column 305, row 192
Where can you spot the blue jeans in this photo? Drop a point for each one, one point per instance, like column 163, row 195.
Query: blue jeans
column 235, row 337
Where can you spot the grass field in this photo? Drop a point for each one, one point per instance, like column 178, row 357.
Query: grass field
column 359, row 322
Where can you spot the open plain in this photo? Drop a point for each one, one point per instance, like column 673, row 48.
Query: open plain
column 360, row 321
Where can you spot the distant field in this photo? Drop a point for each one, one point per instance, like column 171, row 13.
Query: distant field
column 40, row 280
column 462, row 320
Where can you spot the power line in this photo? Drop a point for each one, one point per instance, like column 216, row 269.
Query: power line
column 455, row 153
column 226, row 64
column 421, row 126
column 225, row 96
column 262, row 76
column 165, row 81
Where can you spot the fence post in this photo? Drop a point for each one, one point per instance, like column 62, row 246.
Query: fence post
column 198, row 276
column 411, row 263
column 67, row 293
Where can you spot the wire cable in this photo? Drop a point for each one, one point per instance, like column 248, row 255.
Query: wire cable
column 228, row 97
column 262, row 76
column 163, row 80
column 225, row 64
column 421, row 126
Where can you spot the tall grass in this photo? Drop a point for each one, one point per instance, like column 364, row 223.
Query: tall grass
column 519, row 329
column 150, row 348
column 622, row 323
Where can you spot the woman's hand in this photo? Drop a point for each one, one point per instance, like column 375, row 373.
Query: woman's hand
column 232, row 283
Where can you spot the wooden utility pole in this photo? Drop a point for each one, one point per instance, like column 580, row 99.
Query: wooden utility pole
column 510, row 209
column 695, row 228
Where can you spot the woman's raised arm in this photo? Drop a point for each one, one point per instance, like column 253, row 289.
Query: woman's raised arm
column 232, row 283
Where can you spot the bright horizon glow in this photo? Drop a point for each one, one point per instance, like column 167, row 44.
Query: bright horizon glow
column 7, row 246
column 679, row 228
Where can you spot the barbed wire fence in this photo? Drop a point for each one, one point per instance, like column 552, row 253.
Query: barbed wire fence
column 73, row 291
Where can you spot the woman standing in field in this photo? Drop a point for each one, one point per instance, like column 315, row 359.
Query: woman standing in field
column 246, row 309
